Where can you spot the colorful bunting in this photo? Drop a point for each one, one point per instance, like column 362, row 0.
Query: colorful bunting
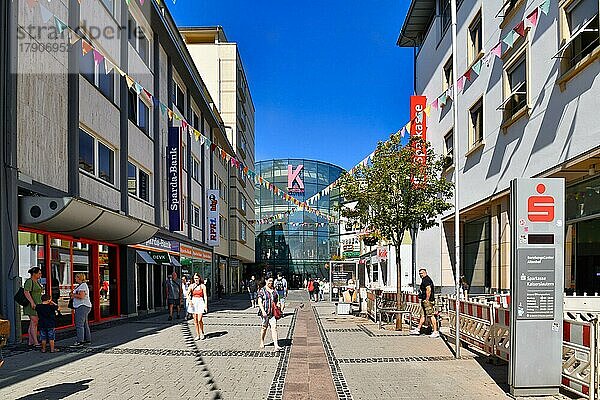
column 467, row 74
column 98, row 57
column 520, row 28
column 545, row 7
column 434, row 104
column 477, row 67
column 460, row 83
column 60, row 26
column 497, row 50
column 533, row 18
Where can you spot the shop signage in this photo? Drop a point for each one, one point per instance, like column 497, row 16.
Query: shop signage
column 537, row 279
column 174, row 179
column 295, row 183
column 214, row 234
column 159, row 244
column 233, row 263
column 160, row 257
column 418, row 127
column 192, row 252
column 382, row 253
column 351, row 254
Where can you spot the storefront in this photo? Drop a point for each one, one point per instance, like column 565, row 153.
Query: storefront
column 60, row 258
column 196, row 261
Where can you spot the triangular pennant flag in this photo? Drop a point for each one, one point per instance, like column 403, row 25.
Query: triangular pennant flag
column 520, row 28
column 402, row 131
column 460, row 84
column 31, row 4
column 155, row 101
column 545, row 7
column 86, row 47
column 46, row 14
column 163, row 108
column 407, row 126
column 148, row 94
column 73, row 38
column 497, row 50
column 60, row 26
column 467, row 74
column 208, row 142
column 428, row 110
column 170, row 113
column 442, row 100
column 477, row 67
column 108, row 66
column 213, row 147
column 98, row 57
column 533, row 18
column 130, row 81
column 434, row 104
column 138, row 88
column 509, row 39
column 120, row 71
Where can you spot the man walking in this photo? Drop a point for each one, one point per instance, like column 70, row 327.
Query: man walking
column 282, row 290
column 173, row 293
column 426, row 293
column 253, row 291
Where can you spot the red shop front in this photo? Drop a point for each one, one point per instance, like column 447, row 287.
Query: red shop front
column 61, row 257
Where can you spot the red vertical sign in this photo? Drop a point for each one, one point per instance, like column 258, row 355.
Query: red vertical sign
column 418, row 126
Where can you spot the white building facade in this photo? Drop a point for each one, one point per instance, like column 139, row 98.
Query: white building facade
column 528, row 110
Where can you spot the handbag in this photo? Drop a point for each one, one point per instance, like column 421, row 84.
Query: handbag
column 277, row 313
column 21, row 298
column 70, row 304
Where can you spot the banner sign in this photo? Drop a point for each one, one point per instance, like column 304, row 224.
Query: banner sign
column 419, row 126
column 174, row 179
column 214, row 234
column 294, row 181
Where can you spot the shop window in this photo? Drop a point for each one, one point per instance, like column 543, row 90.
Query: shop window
column 475, row 39
column 476, row 124
column 580, row 28
column 96, row 157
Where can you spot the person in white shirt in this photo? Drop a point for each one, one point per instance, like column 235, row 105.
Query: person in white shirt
column 82, row 306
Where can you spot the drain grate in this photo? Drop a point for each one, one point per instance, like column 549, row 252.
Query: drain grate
column 398, row 359
column 343, row 330
column 276, row 389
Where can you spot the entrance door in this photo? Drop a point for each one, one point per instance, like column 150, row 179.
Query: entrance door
column 158, row 279
column 142, row 287
column 587, row 257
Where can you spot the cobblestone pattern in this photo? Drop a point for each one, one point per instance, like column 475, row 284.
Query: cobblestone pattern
column 278, row 383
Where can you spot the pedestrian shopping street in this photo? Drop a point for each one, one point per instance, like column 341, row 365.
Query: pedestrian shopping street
column 326, row 357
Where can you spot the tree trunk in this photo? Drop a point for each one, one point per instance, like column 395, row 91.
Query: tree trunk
column 399, row 300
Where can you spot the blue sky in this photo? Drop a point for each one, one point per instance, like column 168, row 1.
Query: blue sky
column 326, row 76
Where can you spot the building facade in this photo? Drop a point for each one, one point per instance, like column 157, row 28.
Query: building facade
column 85, row 183
column 291, row 240
column 221, row 67
column 526, row 110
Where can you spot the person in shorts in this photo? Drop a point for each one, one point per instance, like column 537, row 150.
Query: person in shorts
column 426, row 293
column 253, row 291
column 173, row 294
column 282, row 290
column 47, row 322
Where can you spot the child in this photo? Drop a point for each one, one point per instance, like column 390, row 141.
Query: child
column 47, row 321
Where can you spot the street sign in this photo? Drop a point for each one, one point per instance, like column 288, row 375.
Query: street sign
column 537, row 281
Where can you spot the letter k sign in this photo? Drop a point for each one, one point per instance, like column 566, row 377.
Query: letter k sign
column 294, row 175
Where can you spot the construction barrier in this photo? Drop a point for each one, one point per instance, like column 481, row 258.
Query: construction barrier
column 486, row 326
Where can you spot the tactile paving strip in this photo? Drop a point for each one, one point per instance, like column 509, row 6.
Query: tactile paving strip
column 276, row 389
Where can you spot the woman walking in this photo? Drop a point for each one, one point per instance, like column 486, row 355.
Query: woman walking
column 33, row 292
column 267, row 301
column 197, row 304
column 82, row 306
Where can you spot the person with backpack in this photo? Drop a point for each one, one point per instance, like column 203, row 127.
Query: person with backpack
column 282, row 290
column 316, row 289
column 311, row 288
column 253, row 291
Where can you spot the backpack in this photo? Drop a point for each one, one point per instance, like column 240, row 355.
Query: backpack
column 279, row 285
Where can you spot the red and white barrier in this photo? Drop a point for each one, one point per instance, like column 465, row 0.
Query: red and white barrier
column 580, row 359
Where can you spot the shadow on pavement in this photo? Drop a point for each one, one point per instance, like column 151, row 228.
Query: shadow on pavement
column 215, row 334
column 59, row 391
column 498, row 371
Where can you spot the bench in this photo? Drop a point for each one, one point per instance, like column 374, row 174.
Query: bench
column 389, row 309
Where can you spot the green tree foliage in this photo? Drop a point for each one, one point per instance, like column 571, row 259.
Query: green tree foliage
column 396, row 191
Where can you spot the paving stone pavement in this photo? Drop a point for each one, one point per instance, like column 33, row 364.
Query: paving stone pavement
column 154, row 358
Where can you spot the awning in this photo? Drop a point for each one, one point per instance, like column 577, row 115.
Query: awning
column 143, row 258
column 416, row 23
column 174, row 261
column 75, row 217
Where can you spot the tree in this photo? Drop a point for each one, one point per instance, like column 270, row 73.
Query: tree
column 402, row 187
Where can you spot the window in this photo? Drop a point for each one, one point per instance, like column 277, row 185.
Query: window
column 195, row 121
column 138, row 182
column 445, row 16
column 195, row 168
column 96, row 158
column 447, row 79
column 86, row 152
column 582, row 31
column 178, row 96
column 515, row 87
column 222, row 226
column 184, row 157
column 242, row 232
column 139, row 111
column 476, row 124
column 475, row 43
column 96, row 74
column 449, row 149
column 242, row 203
column 138, row 39
column 195, row 216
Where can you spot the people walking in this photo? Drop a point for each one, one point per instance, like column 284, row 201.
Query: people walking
column 197, row 304
column 316, row 289
column 267, row 302
column 33, row 292
column 173, row 294
column 82, row 306
column 282, row 290
column 311, row 288
column 185, row 285
column 427, row 296
column 47, row 322
column 253, row 290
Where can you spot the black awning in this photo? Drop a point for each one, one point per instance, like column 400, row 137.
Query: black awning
column 417, row 21
column 75, row 217
column 143, row 258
